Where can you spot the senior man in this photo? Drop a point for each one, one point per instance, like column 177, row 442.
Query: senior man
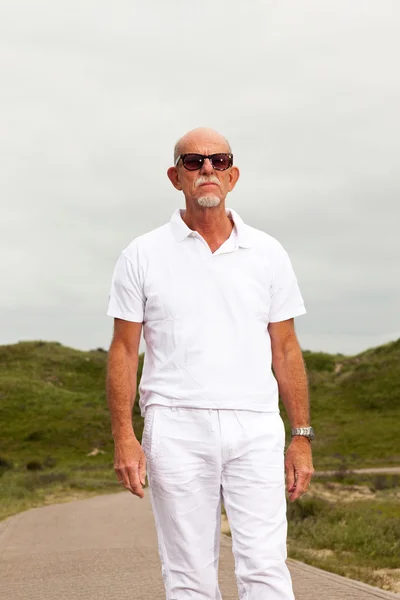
column 217, row 300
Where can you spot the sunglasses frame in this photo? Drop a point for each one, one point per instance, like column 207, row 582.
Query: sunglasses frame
column 204, row 156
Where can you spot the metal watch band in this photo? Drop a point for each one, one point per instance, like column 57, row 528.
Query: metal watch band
column 307, row 432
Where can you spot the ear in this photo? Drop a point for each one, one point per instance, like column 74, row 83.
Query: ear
column 233, row 177
column 173, row 176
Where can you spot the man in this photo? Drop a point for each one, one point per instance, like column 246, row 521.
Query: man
column 217, row 299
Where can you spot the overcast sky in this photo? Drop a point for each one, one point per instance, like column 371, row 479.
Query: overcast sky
column 95, row 95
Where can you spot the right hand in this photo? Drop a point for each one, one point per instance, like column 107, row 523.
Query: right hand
column 130, row 464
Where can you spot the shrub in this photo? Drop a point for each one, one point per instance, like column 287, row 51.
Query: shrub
column 5, row 465
column 34, row 465
column 319, row 361
column 37, row 480
column 35, row 436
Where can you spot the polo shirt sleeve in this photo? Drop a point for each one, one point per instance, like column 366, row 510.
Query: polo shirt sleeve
column 286, row 298
column 126, row 299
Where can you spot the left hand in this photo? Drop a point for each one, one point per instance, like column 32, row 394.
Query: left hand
column 298, row 466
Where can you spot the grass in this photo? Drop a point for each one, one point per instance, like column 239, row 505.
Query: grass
column 357, row 538
column 374, row 482
column 53, row 405
column 23, row 489
column 355, row 404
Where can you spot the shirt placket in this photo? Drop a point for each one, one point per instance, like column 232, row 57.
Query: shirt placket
column 205, row 251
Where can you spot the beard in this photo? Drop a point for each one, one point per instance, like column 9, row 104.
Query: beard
column 211, row 200
column 208, row 201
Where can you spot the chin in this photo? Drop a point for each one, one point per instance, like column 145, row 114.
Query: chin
column 208, row 201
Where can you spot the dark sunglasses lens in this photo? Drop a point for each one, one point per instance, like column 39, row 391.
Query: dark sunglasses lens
column 221, row 162
column 192, row 162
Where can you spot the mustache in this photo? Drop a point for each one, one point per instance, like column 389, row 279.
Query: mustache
column 212, row 179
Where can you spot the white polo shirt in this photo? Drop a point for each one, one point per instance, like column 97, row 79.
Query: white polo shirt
column 205, row 315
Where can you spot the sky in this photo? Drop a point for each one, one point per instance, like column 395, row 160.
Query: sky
column 94, row 96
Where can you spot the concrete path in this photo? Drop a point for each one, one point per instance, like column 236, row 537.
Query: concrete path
column 370, row 471
column 105, row 548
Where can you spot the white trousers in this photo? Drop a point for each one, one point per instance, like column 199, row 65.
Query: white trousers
column 197, row 458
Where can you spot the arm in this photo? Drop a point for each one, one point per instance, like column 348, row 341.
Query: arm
column 123, row 359
column 290, row 372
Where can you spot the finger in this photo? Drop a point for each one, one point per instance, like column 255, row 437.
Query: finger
column 136, row 486
column 290, row 478
column 122, row 478
column 118, row 474
column 142, row 473
column 142, row 469
column 302, row 483
column 301, row 486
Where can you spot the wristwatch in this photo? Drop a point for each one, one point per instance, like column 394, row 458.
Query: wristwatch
column 307, row 432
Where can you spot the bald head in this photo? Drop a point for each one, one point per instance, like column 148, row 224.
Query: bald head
column 201, row 136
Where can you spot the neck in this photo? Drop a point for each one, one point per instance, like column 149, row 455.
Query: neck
column 213, row 224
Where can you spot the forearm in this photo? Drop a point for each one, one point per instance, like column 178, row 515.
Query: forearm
column 121, row 389
column 291, row 376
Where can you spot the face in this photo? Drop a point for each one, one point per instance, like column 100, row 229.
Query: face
column 207, row 186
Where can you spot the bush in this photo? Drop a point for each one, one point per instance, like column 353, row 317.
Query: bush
column 34, row 465
column 35, row 436
column 384, row 482
column 367, row 530
column 38, row 480
column 49, row 462
column 5, row 465
column 319, row 361
column 308, row 507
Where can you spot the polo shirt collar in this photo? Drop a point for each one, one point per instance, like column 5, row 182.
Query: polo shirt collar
column 181, row 231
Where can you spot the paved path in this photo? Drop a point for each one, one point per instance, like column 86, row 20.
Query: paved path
column 105, row 548
column 370, row 471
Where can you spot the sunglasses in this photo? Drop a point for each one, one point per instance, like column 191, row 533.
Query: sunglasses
column 194, row 162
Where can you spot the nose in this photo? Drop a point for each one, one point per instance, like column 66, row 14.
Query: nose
column 207, row 167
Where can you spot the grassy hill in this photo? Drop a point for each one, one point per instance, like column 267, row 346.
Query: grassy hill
column 355, row 405
column 53, row 407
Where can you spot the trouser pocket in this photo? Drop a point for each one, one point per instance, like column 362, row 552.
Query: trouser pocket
column 149, row 431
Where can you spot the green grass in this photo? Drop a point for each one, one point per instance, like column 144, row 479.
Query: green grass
column 355, row 410
column 53, row 413
column 362, row 533
column 358, row 539
column 22, row 489
column 53, row 406
column 375, row 482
